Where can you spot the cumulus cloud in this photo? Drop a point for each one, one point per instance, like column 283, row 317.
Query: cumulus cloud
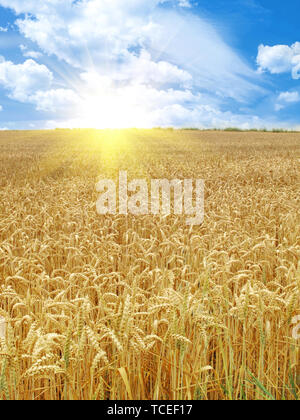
column 54, row 100
column 280, row 59
column 23, row 79
column 185, row 3
column 159, row 66
column 72, row 30
column 142, row 69
column 31, row 82
column 286, row 98
column 289, row 97
column 30, row 54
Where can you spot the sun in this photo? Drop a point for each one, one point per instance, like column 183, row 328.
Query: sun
column 107, row 112
column 104, row 105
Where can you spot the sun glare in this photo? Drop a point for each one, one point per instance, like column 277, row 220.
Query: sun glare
column 107, row 115
column 113, row 110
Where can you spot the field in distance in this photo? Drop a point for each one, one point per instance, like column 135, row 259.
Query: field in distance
column 116, row 307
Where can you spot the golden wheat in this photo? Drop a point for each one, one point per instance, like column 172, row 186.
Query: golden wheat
column 117, row 307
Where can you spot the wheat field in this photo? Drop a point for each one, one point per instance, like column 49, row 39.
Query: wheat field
column 115, row 307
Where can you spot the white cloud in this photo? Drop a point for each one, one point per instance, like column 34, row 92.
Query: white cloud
column 280, row 59
column 31, row 82
column 285, row 99
column 155, row 65
column 74, row 31
column 30, row 54
column 3, row 29
column 55, row 100
column 23, row 79
column 141, row 69
column 106, row 103
column 33, row 54
column 289, row 97
column 195, row 45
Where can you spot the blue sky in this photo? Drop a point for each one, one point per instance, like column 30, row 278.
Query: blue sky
column 144, row 63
